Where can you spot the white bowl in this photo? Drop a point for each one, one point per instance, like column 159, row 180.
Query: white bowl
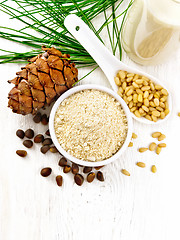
column 74, row 159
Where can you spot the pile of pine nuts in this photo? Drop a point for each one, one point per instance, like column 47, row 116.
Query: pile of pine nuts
column 143, row 97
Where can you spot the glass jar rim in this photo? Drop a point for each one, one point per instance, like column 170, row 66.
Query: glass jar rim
column 166, row 13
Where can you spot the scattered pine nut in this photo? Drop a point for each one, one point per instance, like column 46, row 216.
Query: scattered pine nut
column 130, row 75
column 152, row 146
column 141, row 164
column 134, row 135
column 164, row 91
column 145, row 88
column 156, row 134
column 53, row 149
column 159, row 109
column 162, row 145
column 130, row 144
column 156, row 102
column 148, row 117
column 158, row 150
column 122, row 74
column 137, row 114
column 129, row 92
column 158, row 87
column 139, row 81
column 161, row 137
column 162, row 115
column 166, row 111
column 125, row 172
column 154, row 118
column 153, row 169
column 156, row 113
column 146, row 109
column 141, row 150
column 146, row 102
column 178, row 114
column 140, row 98
column 117, row 81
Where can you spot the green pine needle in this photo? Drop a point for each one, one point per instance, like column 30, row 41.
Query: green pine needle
column 46, row 18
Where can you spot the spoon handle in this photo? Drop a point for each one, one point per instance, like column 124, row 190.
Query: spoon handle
column 103, row 57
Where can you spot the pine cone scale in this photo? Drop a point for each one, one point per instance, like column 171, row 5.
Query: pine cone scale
column 42, row 65
column 32, row 68
column 34, row 81
column 55, row 62
column 57, row 76
column 52, row 51
column 38, row 95
column 25, row 101
column 23, row 87
column 50, row 94
column 37, row 105
column 45, row 79
column 14, row 105
column 60, row 89
column 22, row 74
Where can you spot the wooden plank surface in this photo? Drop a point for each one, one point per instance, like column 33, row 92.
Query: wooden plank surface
column 144, row 206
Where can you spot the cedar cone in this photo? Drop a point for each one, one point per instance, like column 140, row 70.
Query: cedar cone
column 41, row 81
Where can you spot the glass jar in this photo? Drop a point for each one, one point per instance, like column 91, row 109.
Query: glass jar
column 151, row 30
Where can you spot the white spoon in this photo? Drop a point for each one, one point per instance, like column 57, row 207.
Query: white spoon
column 109, row 64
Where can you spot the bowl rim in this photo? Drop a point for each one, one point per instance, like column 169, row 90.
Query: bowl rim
column 103, row 89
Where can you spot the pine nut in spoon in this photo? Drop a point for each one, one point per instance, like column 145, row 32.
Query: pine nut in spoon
column 110, row 65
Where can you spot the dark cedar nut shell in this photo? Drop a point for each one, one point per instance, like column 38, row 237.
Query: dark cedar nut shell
column 47, row 141
column 87, row 169
column 47, row 133
column 75, row 168
column 44, row 119
column 79, row 179
column 62, row 162
column 39, row 138
column 97, row 168
column 53, row 149
column 29, row 133
column 66, row 169
column 20, row 133
column 45, row 172
column 100, row 176
column 28, row 143
column 21, row 153
column 37, row 117
column 80, row 165
column 59, row 180
column 45, row 149
column 90, row 177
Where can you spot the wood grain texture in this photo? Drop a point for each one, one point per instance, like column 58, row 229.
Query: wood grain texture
column 144, row 206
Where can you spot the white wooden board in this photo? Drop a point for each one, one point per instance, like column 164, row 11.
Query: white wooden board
column 144, row 206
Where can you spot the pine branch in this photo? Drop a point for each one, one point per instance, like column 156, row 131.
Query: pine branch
column 46, row 18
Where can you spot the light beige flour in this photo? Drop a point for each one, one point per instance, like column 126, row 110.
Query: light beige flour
column 90, row 125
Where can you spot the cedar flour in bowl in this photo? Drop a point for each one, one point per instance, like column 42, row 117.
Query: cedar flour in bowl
column 91, row 125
